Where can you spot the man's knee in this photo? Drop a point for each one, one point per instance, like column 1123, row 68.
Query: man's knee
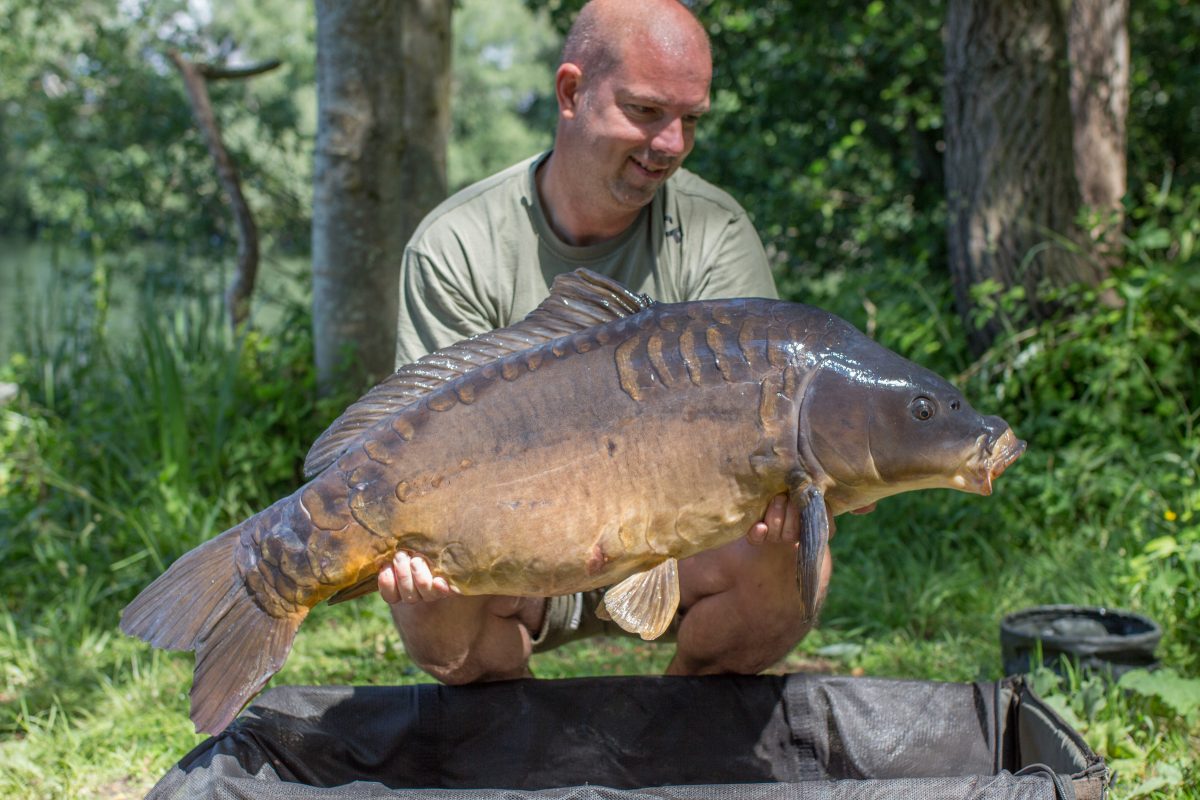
column 743, row 609
column 463, row 640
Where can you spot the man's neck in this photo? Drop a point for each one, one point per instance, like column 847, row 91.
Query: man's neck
column 577, row 224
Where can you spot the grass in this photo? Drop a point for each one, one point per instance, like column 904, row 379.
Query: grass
column 114, row 461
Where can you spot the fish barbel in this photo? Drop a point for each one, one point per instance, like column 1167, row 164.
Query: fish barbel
column 592, row 444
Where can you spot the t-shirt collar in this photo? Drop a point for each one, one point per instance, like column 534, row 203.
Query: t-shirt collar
column 576, row 254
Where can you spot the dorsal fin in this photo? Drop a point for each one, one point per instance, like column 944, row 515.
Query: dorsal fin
column 577, row 300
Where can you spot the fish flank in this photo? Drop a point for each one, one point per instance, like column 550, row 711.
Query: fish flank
column 716, row 343
column 442, row 400
column 687, row 351
column 750, row 342
column 654, row 348
column 402, row 426
column 627, row 372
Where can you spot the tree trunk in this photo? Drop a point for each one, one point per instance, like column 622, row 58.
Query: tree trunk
column 1010, row 177
column 383, row 120
column 1098, row 37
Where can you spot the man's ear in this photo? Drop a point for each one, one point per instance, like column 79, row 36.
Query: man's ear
column 568, row 83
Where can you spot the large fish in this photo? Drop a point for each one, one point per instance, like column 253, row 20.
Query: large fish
column 592, row 444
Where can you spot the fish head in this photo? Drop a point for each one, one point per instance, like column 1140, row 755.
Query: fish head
column 878, row 424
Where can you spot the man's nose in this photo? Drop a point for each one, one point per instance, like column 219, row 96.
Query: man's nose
column 670, row 138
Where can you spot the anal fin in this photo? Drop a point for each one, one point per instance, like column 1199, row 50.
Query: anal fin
column 645, row 603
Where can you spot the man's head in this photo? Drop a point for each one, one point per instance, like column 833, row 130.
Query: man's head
column 633, row 81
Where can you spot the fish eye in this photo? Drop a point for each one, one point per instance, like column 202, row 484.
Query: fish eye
column 922, row 408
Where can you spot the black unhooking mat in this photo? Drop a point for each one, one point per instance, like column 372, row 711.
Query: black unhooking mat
column 634, row 738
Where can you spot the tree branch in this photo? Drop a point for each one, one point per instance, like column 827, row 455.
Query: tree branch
column 237, row 295
column 215, row 73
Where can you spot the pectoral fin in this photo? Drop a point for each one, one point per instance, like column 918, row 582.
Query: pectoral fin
column 814, row 538
column 645, row 603
column 360, row 589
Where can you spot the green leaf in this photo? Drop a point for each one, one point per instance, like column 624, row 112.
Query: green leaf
column 1154, row 238
column 1181, row 694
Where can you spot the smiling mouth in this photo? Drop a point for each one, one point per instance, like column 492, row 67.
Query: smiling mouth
column 652, row 171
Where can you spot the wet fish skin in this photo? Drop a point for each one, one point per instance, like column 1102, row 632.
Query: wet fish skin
column 534, row 467
column 476, row 475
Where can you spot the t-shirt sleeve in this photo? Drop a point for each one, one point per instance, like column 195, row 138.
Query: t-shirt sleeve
column 437, row 306
column 739, row 267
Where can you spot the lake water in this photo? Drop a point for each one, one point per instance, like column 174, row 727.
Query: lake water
column 48, row 292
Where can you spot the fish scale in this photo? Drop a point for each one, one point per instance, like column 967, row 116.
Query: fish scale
column 591, row 445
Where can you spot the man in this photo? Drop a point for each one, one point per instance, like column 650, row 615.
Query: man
column 610, row 196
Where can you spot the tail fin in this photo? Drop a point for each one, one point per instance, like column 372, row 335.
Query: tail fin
column 201, row 603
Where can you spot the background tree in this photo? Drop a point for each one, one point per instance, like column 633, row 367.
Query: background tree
column 1098, row 45
column 383, row 118
column 1010, row 177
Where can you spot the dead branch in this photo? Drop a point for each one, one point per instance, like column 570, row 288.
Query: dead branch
column 241, row 286
column 215, row 73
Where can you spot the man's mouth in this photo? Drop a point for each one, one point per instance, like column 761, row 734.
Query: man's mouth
column 647, row 169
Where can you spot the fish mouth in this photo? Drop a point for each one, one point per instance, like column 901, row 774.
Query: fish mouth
column 989, row 460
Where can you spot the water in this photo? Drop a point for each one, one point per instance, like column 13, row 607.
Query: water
column 49, row 294
column 28, row 277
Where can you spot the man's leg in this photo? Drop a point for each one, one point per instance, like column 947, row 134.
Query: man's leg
column 741, row 611
column 466, row 639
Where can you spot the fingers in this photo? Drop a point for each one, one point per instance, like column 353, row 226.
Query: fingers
column 780, row 522
column 408, row 579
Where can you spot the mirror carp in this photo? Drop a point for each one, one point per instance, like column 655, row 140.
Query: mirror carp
column 592, row 444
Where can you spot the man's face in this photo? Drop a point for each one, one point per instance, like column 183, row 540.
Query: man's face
column 636, row 124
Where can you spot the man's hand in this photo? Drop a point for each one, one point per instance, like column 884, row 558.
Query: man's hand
column 780, row 523
column 408, row 580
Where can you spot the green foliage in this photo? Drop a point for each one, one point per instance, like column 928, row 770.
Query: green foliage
column 503, row 88
column 99, row 143
column 1134, row 724
column 1164, row 110
column 825, row 125
column 117, row 460
column 1180, row 696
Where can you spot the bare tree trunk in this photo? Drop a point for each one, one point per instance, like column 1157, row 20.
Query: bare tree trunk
column 426, row 64
column 383, row 119
column 241, row 286
column 1098, row 36
column 1010, row 177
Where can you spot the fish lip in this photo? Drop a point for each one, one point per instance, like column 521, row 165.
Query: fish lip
column 995, row 457
column 1007, row 449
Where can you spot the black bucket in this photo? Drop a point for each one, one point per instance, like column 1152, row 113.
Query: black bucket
column 1106, row 640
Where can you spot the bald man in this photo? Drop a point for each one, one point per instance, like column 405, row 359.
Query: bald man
column 610, row 196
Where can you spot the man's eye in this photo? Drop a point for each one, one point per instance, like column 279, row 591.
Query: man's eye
column 641, row 111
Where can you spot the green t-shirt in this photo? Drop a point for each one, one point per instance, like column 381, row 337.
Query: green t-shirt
column 486, row 257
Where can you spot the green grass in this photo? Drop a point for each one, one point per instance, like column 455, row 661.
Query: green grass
column 114, row 461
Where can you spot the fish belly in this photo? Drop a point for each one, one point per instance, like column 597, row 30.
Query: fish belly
column 563, row 480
